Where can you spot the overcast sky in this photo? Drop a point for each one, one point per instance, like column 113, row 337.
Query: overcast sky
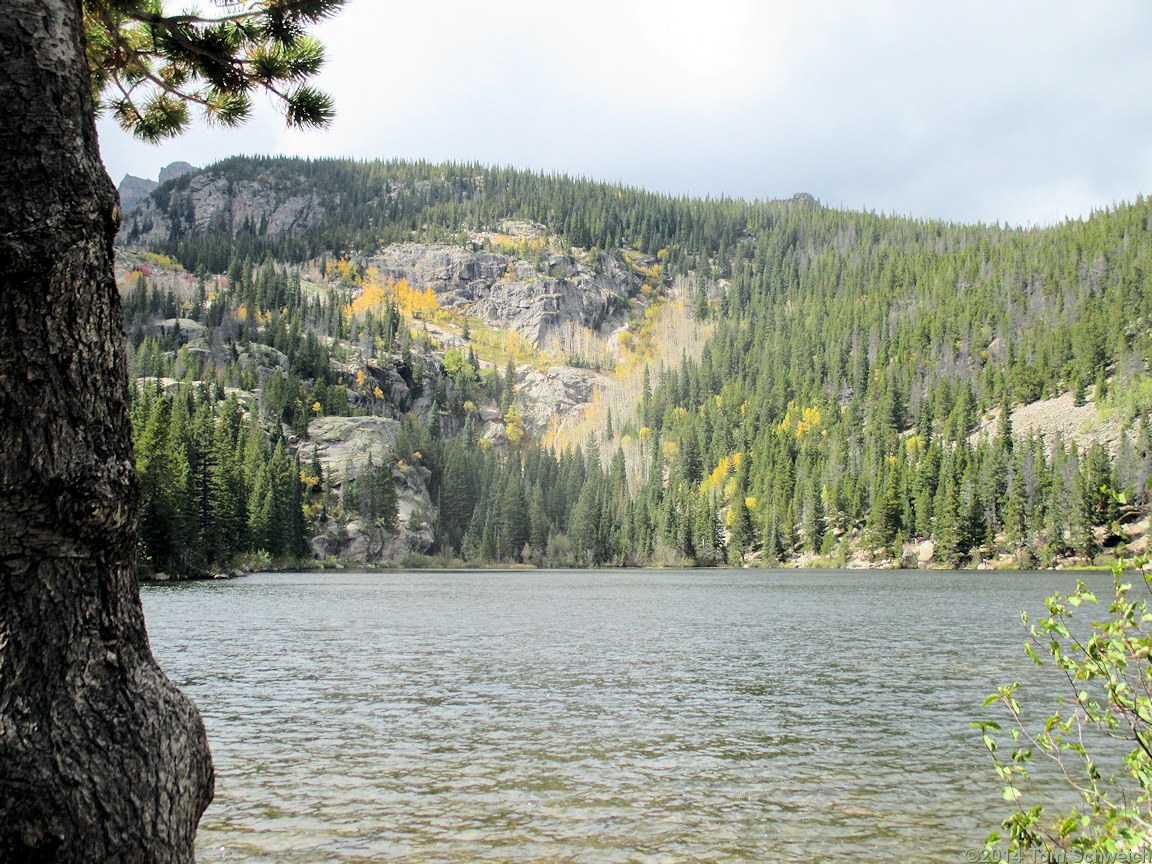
column 1017, row 111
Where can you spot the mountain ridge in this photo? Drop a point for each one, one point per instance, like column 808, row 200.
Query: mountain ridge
column 886, row 338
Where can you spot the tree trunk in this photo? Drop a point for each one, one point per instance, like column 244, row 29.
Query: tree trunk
column 101, row 757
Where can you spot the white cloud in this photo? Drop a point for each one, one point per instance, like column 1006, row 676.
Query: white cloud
column 981, row 110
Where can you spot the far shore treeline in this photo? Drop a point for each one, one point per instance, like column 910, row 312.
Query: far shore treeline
column 856, row 399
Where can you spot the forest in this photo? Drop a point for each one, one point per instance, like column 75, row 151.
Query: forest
column 856, row 397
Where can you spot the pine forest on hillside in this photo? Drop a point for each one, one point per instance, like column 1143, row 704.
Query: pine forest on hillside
column 849, row 387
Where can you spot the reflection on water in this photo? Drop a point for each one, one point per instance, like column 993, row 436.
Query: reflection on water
column 605, row 716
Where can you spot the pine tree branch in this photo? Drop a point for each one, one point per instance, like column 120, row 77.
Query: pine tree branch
column 323, row 9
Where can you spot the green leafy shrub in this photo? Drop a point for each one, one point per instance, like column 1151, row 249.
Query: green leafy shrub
column 1098, row 737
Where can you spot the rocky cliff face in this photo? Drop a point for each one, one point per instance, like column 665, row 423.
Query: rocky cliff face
column 133, row 190
column 176, row 169
column 344, row 446
column 210, row 202
column 551, row 396
column 532, row 297
column 529, row 297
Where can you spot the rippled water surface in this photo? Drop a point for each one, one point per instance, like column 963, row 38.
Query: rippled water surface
column 608, row 716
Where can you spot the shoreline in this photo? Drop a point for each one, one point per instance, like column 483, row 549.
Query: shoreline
column 360, row 567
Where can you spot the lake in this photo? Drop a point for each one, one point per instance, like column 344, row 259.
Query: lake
column 597, row 716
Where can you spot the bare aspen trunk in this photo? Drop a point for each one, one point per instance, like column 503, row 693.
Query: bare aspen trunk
column 102, row 758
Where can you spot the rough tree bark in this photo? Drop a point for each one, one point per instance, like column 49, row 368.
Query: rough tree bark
column 102, row 758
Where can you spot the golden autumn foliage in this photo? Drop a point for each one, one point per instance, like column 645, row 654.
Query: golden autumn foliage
column 259, row 317
column 514, row 426
column 653, row 272
column 554, row 435
column 164, row 262
column 722, row 479
column 372, row 297
column 714, row 482
column 347, row 272
column 517, row 247
column 375, row 294
column 498, row 346
column 416, row 303
column 802, row 421
column 660, row 339
column 667, row 327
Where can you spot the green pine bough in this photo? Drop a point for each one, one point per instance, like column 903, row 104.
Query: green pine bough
column 149, row 68
column 1098, row 738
